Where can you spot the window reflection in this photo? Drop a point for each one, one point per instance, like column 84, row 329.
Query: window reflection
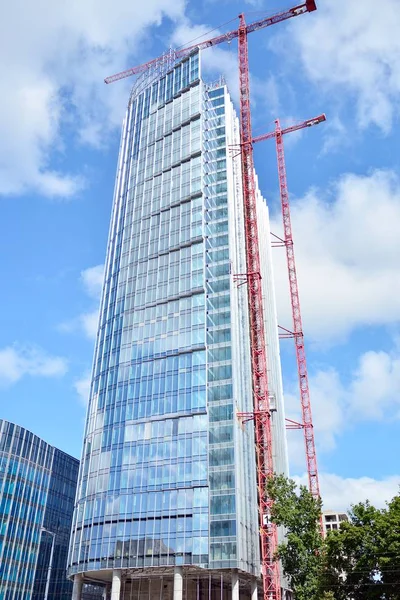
column 162, row 425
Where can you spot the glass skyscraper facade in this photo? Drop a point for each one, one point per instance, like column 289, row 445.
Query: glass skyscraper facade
column 167, row 487
column 37, row 492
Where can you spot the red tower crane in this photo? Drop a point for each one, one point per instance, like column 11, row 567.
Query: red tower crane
column 307, row 6
column 297, row 334
column 261, row 410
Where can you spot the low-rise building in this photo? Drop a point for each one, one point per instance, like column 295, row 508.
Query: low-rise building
column 37, row 493
column 331, row 520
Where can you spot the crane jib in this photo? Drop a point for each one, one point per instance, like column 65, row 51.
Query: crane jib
column 307, row 6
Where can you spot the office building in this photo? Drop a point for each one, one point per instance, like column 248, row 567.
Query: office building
column 167, row 502
column 37, row 493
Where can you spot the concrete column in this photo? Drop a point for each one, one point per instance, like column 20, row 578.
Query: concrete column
column 235, row 586
column 77, row 589
column 254, row 590
column 178, row 583
column 116, row 585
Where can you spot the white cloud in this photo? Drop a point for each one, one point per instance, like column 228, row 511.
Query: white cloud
column 53, row 81
column 353, row 47
column 89, row 323
column 266, row 104
column 347, row 247
column 328, row 399
column 372, row 393
column 18, row 361
column 52, row 90
column 339, row 493
column 335, row 135
column 92, row 282
column 375, row 388
column 82, row 388
column 92, row 279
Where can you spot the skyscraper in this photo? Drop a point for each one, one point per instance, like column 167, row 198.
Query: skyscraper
column 37, row 491
column 167, row 501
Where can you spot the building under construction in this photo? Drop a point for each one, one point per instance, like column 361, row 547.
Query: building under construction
column 183, row 427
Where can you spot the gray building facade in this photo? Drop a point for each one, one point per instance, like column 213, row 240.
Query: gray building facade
column 167, row 503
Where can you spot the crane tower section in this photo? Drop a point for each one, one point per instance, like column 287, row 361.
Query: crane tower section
column 262, row 415
column 307, row 422
column 297, row 333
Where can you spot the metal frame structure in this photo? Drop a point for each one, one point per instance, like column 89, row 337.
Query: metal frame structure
column 173, row 55
column 261, row 408
column 261, row 414
column 297, row 333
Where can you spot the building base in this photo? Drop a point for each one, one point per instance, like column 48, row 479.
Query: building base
column 179, row 583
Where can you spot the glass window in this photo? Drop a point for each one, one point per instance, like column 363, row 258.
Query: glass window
column 223, row 551
column 217, row 319
column 185, row 74
column 220, row 434
column 216, row 92
column 221, row 413
column 221, row 392
column 219, row 336
column 200, row 497
column 161, row 95
column 221, row 372
column 221, row 456
column 222, row 505
column 194, row 67
column 222, row 528
column 222, row 480
column 169, row 86
column 177, row 80
column 154, row 93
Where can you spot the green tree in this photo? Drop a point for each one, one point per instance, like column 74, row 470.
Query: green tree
column 328, row 596
column 299, row 513
column 362, row 559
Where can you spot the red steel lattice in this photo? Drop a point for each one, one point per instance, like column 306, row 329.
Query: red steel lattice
column 262, row 415
column 295, row 11
column 307, row 422
column 297, row 333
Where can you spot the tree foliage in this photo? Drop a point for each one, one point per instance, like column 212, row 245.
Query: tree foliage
column 299, row 514
column 360, row 561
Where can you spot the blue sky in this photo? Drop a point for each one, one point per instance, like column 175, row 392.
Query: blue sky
column 60, row 126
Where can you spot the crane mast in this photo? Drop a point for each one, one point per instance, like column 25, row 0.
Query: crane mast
column 298, row 336
column 297, row 333
column 261, row 411
column 262, row 415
